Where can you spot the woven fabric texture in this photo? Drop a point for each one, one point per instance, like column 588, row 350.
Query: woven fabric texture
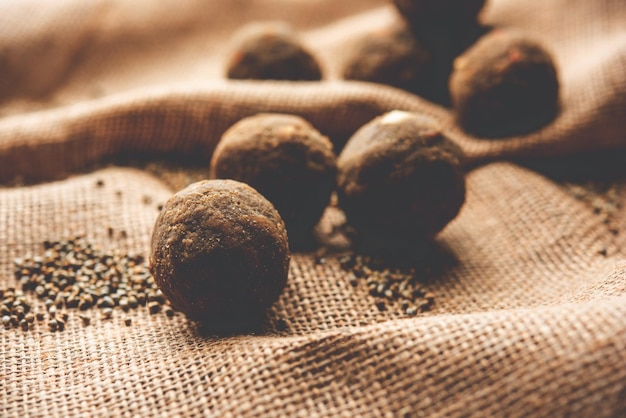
column 529, row 280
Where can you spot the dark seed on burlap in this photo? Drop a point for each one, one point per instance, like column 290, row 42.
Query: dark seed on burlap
column 86, row 319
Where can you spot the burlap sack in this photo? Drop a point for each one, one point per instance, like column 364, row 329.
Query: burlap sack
column 529, row 315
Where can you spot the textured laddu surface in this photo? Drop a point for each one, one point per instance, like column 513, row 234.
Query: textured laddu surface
column 530, row 302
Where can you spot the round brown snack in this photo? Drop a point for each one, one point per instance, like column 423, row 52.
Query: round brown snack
column 219, row 253
column 286, row 160
column 271, row 52
column 390, row 56
column 504, row 85
column 436, row 12
column 399, row 181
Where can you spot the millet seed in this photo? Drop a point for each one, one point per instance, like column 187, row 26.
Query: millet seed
column 388, row 285
column 73, row 274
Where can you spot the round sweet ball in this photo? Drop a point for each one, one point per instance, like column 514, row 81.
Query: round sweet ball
column 505, row 84
column 220, row 254
column 399, row 181
column 390, row 56
column 271, row 51
column 286, row 160
column 438, row 12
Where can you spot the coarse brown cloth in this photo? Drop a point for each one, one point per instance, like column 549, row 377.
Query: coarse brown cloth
column 529, row 317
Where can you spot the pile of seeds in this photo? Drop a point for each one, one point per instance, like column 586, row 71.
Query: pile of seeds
column 388, row 285
column 16, row 311
column 74, row 275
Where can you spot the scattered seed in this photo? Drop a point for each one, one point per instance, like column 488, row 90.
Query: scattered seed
column 86, row 320
column 132, row 302
column 380, row 289
column 141, row 298
column 106, row 302
column 320, row 260
column 84, row 305
column 386, row 284
column 424, row 305
column 128, row 321
column 156, row 296
column 71, row 302
column 107, row 313
column 154, row 307
column 353, row 280
column 380, row 304
column 19, row 312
